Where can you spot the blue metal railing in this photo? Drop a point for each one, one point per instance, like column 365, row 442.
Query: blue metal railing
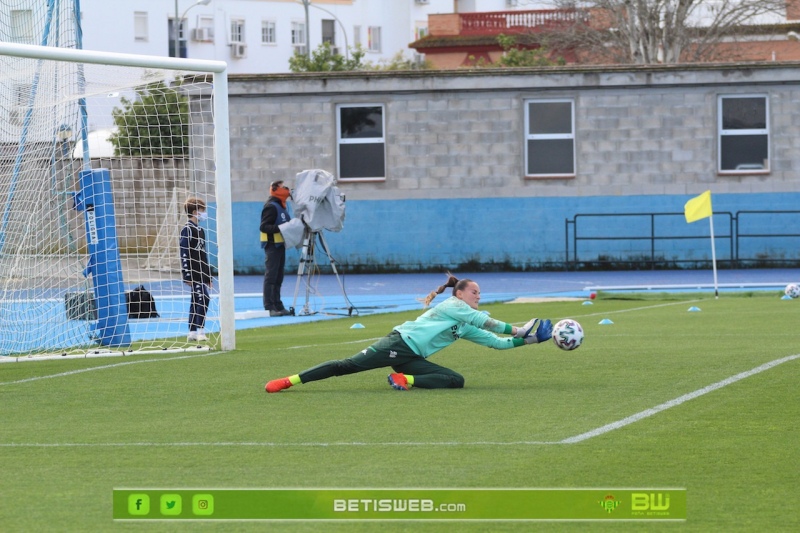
column 659, row 227
column 740, row 228
column 784, row 221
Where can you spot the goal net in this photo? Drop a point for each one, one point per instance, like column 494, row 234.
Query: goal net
column 98, row 154
column 164, row 254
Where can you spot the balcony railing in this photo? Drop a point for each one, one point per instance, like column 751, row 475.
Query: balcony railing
column 497, row 22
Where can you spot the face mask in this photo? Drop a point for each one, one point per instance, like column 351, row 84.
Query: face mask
column 202, row 215
column 282, row 193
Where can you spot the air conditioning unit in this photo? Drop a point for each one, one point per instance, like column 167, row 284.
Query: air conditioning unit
column 512, row 3
column 203, row 34
column 423, row 2
column 239, row 50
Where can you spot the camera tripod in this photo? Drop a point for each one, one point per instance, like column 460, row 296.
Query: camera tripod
column 306, row 268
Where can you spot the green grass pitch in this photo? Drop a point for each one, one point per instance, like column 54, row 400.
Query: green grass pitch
column 71, row 431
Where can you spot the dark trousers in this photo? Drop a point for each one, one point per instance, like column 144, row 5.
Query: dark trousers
column 274, row 264
column 199, row 306
column 390, row 351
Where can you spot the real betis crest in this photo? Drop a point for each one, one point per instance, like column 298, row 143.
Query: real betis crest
column 609, row 503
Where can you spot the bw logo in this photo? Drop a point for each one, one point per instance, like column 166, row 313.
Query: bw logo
column 392, row 354
column 642, row 501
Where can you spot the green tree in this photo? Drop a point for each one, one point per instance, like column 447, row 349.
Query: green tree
column 400, row 62
column 155, row 123
column 324, row 59
column 514, row 56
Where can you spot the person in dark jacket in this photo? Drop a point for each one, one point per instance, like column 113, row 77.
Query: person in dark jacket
column 195, row 269
column 273, row 214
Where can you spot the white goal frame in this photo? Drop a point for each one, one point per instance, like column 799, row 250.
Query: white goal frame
column 218, row 69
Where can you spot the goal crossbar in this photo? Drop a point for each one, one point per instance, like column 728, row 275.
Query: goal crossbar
column 111, row 58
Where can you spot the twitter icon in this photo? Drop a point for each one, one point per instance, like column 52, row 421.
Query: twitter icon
column 171, row 504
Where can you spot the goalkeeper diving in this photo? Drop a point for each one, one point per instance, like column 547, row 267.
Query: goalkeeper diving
column 407, row 348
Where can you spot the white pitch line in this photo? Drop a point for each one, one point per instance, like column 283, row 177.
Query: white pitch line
column 570, row 440
column 360, row 341
column 677, row 401
column 104, row 367
column 684, row 286
column 260, row 444
column 602, row 313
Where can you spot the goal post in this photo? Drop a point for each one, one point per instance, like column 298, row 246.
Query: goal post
column 63, row 114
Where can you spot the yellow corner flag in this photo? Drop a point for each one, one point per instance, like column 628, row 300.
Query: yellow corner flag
column 698, row 207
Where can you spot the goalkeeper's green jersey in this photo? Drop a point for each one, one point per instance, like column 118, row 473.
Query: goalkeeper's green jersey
column 449, row 321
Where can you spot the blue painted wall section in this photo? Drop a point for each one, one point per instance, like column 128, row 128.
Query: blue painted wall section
column 530, row 232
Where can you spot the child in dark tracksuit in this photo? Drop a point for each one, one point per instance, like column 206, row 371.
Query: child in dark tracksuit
column 195, row 270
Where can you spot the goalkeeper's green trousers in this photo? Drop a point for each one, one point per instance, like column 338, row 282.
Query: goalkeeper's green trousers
column 390, row 351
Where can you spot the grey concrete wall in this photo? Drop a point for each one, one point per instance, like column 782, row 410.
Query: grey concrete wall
column 459, row 134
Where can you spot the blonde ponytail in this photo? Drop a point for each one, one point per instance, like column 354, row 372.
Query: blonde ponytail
column 451, row 282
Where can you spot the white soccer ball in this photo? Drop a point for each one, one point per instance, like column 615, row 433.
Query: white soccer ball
column 792, row 290
column 567, row 334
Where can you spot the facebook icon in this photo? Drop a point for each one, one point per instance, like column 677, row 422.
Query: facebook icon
column 138, row 504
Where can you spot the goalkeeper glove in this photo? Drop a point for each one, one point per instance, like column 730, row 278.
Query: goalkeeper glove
column 525, row 330
column 543, row 333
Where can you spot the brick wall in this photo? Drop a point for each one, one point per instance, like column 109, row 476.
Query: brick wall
column 793, row 9
column 445, row 24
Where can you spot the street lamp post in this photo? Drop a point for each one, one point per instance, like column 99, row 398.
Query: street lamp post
column 307, row 3
column 344, row 32
column 177, row 26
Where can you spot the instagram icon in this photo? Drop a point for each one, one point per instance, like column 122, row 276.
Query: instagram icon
column 203, row 504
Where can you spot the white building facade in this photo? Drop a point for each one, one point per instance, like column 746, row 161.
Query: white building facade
column 259, row 36
column 251, row 36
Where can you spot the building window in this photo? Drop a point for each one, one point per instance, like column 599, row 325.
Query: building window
column 237, row 30
column 204, row 31
column 268, row 32
column 140, row 26
column 22, row 26
column 549, row 138
column 374, row 39
column 356, row 36
column 299, row 37
column 173, row 31
column 329, row 33
column 361, row 142
column 743, row 134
